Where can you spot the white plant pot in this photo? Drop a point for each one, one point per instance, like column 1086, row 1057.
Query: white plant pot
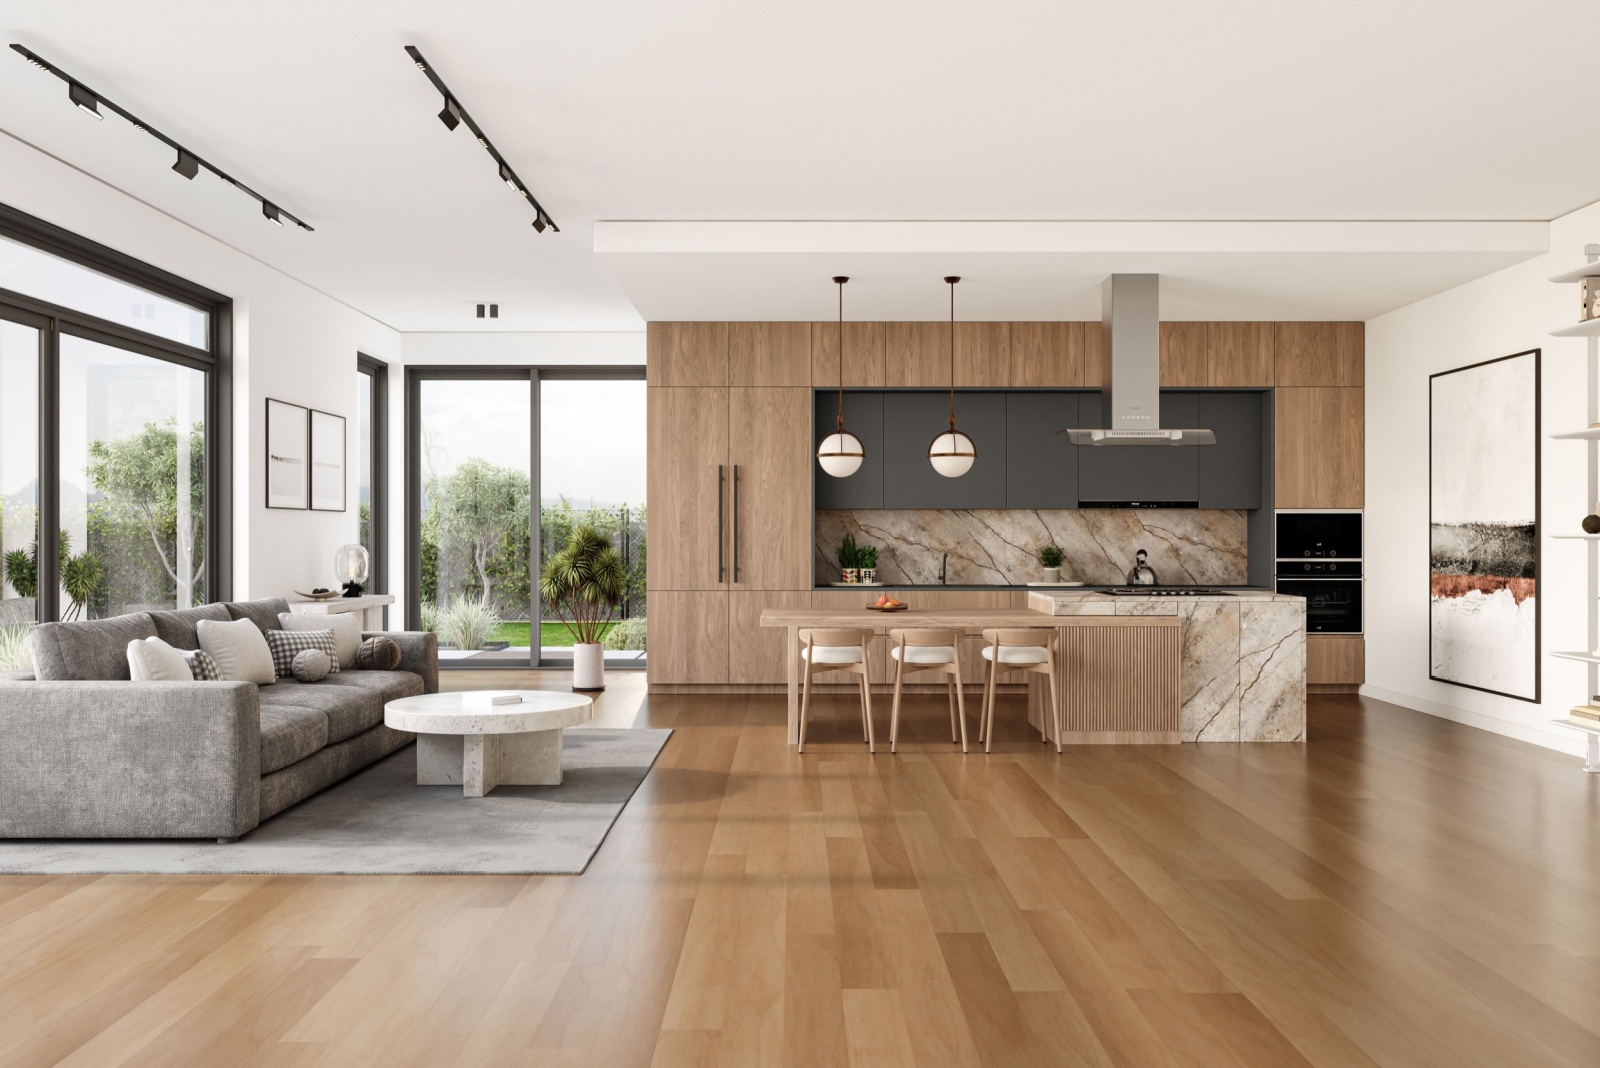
column 588, row 666
column 1052, row 574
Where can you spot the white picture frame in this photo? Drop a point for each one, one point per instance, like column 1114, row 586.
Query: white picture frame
column 327, row 462
column 288, row 470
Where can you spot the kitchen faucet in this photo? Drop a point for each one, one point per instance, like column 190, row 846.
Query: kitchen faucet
column 944, row 567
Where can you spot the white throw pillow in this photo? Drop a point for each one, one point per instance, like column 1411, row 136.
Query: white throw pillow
column 346, row 627
column 153, row 660
column 239, row 649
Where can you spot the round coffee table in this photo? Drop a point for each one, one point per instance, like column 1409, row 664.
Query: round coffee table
column 464, row 740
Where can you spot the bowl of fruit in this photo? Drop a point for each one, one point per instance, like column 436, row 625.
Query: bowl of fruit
column 320, row 593
column 885, row 603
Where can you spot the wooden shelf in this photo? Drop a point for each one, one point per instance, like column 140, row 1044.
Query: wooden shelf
column 1592, row 434
column 1588, row 658
column 1588, row 328
column 1578, row 274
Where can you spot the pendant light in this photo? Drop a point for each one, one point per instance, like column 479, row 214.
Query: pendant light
column 952, row 452
column 840, row 453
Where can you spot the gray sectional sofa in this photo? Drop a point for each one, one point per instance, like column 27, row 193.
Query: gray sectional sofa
column 87, row 753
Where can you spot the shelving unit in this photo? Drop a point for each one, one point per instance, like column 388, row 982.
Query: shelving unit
column 1590, row 436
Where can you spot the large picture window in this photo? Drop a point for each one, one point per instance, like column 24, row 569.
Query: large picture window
column 372, row 465
column 114, row 433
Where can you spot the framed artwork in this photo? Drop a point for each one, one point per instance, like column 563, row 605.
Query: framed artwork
column 327, row 462
column 1483, row 526
column 288, row 472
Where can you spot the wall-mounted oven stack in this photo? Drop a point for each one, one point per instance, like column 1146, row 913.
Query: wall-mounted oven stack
column 1319, row 558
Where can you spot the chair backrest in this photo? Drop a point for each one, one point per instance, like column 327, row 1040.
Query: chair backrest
column 832, row 636
column 1020, row 636
column 924, row 636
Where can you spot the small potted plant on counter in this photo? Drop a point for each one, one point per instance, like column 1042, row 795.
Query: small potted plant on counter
column 867, row 562
column 1050, row 556
column 849, row 560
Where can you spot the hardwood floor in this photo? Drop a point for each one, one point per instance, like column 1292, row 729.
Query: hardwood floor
column 1401, row 891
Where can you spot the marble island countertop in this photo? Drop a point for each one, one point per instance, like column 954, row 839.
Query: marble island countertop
column 1089, row 600
column 1251, row 592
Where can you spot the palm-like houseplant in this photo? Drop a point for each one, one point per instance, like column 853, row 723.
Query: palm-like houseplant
column 585, row 583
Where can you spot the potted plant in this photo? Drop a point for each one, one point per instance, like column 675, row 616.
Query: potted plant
column 1050, row 556
column 849, row 559
column 584, row 583
column 867, row 563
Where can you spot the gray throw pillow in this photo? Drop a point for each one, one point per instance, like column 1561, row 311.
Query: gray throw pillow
column 313, row 665
column 286, row 644
column 378, row 654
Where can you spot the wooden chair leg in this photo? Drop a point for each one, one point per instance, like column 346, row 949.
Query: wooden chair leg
column 950, row 695
column 961, row 706
column 805, row 702
column 894, row 710
column 1055, row 703
column 991, row 690
column 866, row 708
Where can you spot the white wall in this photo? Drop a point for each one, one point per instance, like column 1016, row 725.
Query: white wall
column 1509, row 311
column 290, row 342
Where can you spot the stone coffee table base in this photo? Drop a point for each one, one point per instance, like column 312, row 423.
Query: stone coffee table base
column 479, row 762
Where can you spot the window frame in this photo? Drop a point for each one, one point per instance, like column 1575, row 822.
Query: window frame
column 216, row 361
column 377, row 372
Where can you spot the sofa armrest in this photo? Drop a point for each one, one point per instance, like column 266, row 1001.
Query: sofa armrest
column 419, row 653
column 129, row 759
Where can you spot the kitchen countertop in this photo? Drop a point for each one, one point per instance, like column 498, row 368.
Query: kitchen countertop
column 1052, row 590
column 1090, row 601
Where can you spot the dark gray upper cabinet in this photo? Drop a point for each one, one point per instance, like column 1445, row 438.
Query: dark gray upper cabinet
column 1230, row 470
column 910, row 423
column 863, row 417
column 1141, row 472
column 1042, row 465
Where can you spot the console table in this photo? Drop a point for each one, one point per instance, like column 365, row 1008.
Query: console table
column 369, row 606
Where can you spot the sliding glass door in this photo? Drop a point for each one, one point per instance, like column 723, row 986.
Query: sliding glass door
column 20, row 356
column 502, row 466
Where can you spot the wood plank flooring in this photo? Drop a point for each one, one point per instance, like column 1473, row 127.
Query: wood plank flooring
column 1402, row 891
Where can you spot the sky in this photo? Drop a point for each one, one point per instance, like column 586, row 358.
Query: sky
column 592, row 441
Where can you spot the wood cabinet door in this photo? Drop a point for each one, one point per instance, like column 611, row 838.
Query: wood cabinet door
column 758, row 654
column 983, row 354
column 686, row 354
column 1318, row 354
column 1336, row 659
column 916, row 355
column 1239, row 354
column 686, row 520
column 863, row 355
column 769, row 503
column 1046, row 355
column 687, row 636
column 1184, row 356
column 769, row 354
column 1319, row 457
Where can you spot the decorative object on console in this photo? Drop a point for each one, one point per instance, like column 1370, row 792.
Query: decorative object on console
column 1591, row 524
column 351, row 564
column 841, row 452
column 1589, row 293
column 1050, row 557
column 952, row 452
column 327, row 462
column 584, row 582
column 378, row 654
column 1483, row 526
column 286, row 645
column 288, row 474
column 320, row 593
column 312, row 665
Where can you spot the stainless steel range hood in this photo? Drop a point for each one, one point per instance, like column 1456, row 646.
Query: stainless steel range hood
column 1130, row 316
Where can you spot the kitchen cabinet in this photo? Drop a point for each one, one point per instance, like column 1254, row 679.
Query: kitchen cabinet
column 983, row 354
column 1318, row 354
column 1336, row 660
column 916, row 355
column 910, row 423
column 757, row 655
column 1238, row 354
column 863, row 355
column 686, row 354
column 1184, row 360
column 769, row 499
column 1319, row 455
column 688, row 637
column 1047, row 355
column 685, row 478
column 769, row 354
column 1230, row 470
column 1140, row 473
column 1041, row 464
column 863, row 417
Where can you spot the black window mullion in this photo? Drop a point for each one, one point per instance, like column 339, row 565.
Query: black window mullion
column 47, row 590
column 535, row 529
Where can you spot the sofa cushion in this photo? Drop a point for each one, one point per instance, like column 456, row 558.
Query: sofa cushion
column 290, row 731
column 92, row 651
column 176, row 628
column 369, row 691
column 348, row 710
column 263, row 613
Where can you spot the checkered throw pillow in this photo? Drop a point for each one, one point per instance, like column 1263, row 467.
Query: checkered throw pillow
column 202, row 667
column 284, row 644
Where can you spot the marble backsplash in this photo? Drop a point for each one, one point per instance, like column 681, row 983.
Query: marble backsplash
column 999, row 547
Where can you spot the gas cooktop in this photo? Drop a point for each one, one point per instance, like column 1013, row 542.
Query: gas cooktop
column 1165, row 591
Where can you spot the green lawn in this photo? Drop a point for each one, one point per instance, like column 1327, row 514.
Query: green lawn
column 550, row 634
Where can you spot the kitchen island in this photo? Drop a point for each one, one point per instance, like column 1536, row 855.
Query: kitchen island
column 1227, row 666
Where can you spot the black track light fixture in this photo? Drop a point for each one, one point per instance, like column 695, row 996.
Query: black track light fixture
column 454, row 115
column 84, row 99
column 451, row 115
column 189, row 163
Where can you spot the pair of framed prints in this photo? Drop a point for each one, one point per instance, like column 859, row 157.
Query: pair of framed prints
column 305, row 458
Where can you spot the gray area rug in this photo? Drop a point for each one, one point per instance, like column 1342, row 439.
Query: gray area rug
column 380, row 822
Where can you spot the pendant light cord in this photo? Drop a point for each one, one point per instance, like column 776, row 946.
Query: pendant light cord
column 952, row 283
column 841, row 282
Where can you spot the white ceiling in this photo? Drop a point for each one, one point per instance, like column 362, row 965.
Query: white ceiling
column 816, row 110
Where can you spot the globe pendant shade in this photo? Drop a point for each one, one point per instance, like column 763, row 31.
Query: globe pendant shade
column 840, row 454
column 952, row 454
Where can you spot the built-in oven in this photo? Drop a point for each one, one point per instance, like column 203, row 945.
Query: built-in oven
column 1332, row 589
column 1319, row 535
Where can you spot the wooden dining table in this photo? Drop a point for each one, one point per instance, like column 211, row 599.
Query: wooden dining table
column 1118, row 674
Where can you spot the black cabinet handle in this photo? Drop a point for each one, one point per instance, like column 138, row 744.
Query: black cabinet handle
column 721, row 571
column 735, row 522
